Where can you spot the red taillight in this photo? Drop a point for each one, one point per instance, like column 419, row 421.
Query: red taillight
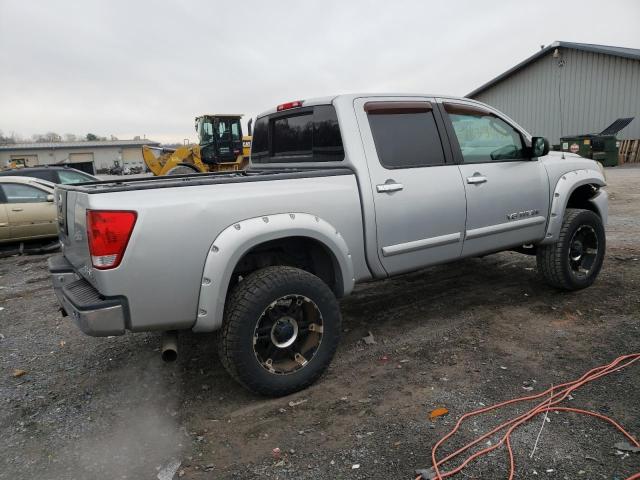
column 288, row 105
column 108, row 232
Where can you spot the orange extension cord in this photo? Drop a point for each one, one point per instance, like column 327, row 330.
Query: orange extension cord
column 556, row 395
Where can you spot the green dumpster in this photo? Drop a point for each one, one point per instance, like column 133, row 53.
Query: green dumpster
column 602, row 146
column 597, row 147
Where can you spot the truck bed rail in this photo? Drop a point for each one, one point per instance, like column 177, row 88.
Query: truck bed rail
column 187, row 180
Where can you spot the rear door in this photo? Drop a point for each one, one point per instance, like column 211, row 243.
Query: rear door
column 418, row 194
column 507, row 191
column 29, row 211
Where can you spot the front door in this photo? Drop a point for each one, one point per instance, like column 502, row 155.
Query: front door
column 418, row 195
column 29, row 211
column 507, row 191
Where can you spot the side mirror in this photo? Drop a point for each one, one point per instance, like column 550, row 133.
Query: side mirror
column 49, row 198
column 539, row 147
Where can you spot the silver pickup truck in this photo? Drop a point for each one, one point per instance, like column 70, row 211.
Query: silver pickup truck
column 341, row 190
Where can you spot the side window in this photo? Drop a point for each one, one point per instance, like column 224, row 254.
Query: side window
column 69, row 176
column 483, row 137
column 207, row 131
column 17, row 193
column 235, row 131
column 405, row 134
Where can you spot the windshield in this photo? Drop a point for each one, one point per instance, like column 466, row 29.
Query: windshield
column 72, row 176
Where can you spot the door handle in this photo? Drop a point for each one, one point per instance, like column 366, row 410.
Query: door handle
column 476, row 179
column 17, row 209
column 389, row 187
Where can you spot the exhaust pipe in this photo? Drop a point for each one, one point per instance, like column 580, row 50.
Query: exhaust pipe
column 169, row 347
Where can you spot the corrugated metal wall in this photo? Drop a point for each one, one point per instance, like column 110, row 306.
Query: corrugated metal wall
column 591, row 90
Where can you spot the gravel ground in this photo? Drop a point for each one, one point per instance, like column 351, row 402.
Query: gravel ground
column 457, row 336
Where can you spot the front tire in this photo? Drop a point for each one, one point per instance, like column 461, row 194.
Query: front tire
column 280, row 332
column 575, row 260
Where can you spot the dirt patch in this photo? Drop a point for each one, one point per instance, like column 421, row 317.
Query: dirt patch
column 456, row 336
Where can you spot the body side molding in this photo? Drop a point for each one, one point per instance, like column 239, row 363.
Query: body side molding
column 504, row 227
column 421, row 244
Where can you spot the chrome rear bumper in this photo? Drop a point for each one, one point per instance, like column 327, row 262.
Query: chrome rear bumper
column 94, row 314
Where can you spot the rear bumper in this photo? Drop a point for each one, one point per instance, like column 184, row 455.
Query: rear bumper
column 94, row 314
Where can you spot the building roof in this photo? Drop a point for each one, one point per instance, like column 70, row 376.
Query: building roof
column 75, row 145
column 631, row 53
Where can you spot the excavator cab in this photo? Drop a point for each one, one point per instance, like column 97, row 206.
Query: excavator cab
column 219, row 137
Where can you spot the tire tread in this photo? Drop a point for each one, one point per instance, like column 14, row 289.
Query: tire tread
column 550, row 259
column 237, row 310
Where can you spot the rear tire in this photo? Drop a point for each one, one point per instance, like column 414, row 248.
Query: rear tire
column 280, row 332
column 575, row 260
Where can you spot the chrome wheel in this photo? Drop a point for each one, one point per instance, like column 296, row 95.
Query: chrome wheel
column 288, row 334
column 583, row 250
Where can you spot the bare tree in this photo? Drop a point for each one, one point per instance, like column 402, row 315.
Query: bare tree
column 70, row 137
column 10, row 139
column 53, row 137
column 47, row 137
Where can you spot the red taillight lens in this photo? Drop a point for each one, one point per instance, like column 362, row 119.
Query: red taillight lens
column 108, row 232
column 288, row 105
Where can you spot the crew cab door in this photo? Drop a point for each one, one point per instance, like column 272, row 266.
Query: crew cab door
column 418, row 195
column 507, row 191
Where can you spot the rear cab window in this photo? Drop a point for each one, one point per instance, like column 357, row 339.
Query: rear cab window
column 306, row 134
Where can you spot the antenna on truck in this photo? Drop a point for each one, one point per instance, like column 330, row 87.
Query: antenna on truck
column 560, row 63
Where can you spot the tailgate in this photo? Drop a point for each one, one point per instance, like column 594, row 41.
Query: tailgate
column 72, row 210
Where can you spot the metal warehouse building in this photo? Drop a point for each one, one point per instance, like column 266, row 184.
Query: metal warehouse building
column 569, row 88
column 88, row 156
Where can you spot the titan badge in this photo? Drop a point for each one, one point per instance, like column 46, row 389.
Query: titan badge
column 522, row 214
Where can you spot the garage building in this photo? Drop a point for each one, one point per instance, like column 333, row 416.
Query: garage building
column 90, row 157
column 569, row 88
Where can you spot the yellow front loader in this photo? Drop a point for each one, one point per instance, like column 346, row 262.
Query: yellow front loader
column 221, row 148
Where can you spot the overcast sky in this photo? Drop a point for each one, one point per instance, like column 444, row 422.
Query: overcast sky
column 148, row 68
